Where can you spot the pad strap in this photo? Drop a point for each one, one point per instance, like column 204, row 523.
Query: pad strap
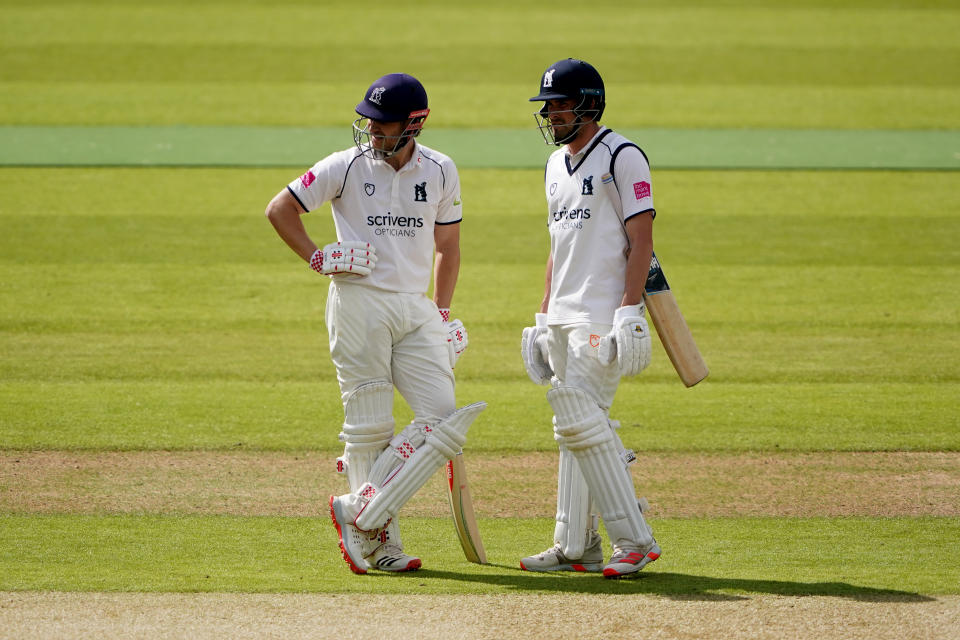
column 380, row 500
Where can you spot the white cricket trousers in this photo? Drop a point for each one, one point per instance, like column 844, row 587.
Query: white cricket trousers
column 573, row 354
column 398, row 337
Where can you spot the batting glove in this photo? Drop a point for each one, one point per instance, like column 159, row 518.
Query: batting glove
column 628, row 342
column 344, row 257
column 533, row 350
column 456, row 334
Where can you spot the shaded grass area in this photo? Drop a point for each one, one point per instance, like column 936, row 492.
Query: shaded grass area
column 849, row 558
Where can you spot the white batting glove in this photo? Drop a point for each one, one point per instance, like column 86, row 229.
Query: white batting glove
column 533, row 349
column 344, row 257
column 456, row 334
column 629, row 340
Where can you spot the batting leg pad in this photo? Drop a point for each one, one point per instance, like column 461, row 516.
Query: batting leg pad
column 367, row 428
column 582, row 427
column 573, row 507
column 408, row 463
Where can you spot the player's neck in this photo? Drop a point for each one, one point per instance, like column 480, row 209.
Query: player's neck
column 584, row 135
column 402, row 157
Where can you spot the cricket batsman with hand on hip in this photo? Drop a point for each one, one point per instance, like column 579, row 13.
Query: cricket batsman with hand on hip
column 591, row 328
column 395, row 204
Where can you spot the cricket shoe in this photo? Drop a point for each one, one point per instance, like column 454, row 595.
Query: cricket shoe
column 626, row 562
column 351, row 538
column 390, row 557
column 553, row 559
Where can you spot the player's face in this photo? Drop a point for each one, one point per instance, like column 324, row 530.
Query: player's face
column 561, row 116
column 384, row 135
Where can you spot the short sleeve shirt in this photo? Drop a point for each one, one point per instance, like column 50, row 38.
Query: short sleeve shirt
column 395, row 211
column 590, row 196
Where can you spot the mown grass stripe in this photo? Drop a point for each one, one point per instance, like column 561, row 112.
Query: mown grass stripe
column 199, row 146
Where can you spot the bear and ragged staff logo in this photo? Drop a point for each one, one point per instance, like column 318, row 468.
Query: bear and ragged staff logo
column 587, row 186
column 420, row 192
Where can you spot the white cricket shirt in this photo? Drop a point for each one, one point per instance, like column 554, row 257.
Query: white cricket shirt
column 395, row 211
column 590, row 196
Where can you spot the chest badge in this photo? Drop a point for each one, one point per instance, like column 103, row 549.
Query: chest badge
column 369, row 188
column 587, row 186
column 420, row 192
column 553, row 188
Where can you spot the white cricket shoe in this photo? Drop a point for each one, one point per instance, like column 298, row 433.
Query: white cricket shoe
column 384, row 551
column 390, row 557
column 625, row 562
column 351, row 538
column 553, row 559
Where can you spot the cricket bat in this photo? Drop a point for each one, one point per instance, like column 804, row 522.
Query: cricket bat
column 461, row 504
column 672, row 328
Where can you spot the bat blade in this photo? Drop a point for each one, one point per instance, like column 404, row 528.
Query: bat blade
column 672, row 328
column 461, row 506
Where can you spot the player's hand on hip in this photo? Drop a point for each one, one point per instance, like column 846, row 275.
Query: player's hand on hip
column 533, row 350
column 456, row 334
column 350, row 257
column 629, row 341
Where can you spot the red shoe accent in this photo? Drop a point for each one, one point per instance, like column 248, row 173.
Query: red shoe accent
column 414, row 565
column 523, row 567
column 343, row 550
column 631, row 558
column 578, row 567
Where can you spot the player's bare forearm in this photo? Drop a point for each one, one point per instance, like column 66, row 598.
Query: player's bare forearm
column 284, row 213
column 640, row 232
column 548, row 280
column 446, row 267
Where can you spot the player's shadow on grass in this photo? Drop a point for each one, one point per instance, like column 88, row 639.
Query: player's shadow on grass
column 678, row 586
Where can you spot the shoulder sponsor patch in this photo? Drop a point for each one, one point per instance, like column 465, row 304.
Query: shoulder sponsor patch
column 307, row 179
column 641, row 189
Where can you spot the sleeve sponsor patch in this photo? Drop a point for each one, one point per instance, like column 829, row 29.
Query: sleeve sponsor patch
column 307, row 179
column 641, row 190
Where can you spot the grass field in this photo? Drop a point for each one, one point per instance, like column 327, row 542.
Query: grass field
column 168, row 411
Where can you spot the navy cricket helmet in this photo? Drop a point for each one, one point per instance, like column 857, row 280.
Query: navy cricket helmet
column 570, row 79
column 392, row 98
column 396, row 97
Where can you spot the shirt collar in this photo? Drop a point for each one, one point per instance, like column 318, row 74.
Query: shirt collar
column 414, row 160
column 576, row 156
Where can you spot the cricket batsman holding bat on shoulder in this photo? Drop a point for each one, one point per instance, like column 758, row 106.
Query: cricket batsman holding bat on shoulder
column 591, row 328
column 395, row 203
